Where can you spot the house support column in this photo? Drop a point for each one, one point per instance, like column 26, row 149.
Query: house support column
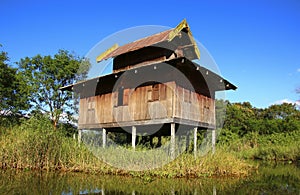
column 133, row 137
column 213, row 141
column 103, row 137
column 195, row 141
column 172, row 146
column 79, row 135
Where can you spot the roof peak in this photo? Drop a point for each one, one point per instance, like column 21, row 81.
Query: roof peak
column 167, row 35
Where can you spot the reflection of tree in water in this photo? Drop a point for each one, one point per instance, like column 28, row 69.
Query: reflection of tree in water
column 272, row 179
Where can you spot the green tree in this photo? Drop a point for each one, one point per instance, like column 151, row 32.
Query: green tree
column 42, row 77
column 239, row 117
column 11, row 100
column 280, row 111
column 242, row 119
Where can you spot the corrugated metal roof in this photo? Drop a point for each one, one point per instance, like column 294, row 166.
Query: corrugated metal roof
column 138, row 44
column 167, row 35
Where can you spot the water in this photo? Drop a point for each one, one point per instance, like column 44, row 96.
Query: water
column 270, row 179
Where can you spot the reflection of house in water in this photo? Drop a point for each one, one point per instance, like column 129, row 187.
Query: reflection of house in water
column 154, row 83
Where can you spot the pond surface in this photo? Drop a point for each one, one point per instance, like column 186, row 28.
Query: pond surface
column 270, row 179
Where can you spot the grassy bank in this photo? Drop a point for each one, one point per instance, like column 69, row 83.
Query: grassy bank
column 34, row 145
column 272, row 147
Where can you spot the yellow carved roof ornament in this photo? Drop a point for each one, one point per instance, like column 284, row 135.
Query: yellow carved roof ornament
column 108, row 51
column 182, row 25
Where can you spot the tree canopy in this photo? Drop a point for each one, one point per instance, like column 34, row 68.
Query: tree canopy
column 242, row 118
column 43, row 76
column 11, row 100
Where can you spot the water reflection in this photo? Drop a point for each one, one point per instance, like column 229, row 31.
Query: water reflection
column 271, row 179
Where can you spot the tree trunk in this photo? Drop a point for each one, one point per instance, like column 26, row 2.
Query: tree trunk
column 54, row 124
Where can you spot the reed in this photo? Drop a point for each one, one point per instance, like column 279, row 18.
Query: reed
column 274, row 147
column 35, row 145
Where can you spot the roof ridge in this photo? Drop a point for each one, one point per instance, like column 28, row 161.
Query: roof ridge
column 134, row 45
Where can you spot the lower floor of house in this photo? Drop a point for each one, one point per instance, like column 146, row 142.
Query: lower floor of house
column 138, row 133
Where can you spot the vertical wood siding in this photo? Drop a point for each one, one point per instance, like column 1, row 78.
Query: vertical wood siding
column 138, row 104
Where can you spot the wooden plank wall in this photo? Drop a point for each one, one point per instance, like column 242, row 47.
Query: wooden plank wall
column 193, row 106
column 181, row 104
column 103, row 108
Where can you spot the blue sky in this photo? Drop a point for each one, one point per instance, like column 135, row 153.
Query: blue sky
column 256, row 44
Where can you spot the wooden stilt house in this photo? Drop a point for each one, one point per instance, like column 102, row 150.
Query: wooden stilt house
column 154, row 83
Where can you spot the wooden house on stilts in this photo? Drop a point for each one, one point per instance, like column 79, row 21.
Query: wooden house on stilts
column 154, row 84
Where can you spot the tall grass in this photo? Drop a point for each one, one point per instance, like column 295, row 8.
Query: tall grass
column 274, row 147
column 35, row 145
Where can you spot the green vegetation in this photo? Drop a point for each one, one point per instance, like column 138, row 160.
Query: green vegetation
column 41, row 77
column 266, row 134
column 11, row 100
column 274, row 147
column 34, row 145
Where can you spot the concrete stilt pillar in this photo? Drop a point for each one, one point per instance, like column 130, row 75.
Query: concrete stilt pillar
column 172, row 140
column 195, row 141
column 102, row 190
column 103, row 138
column 213, row 141
column 79, row 135
column 133, row 137
column 214, row 190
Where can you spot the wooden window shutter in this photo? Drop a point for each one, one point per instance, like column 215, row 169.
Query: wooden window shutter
column 149, row 95
column 126, row 97
column 120, row 96
column 91, row 110
column 180, row 93
column 115, row 98
column 187, row 95
column 162, row 92
column 155, row 92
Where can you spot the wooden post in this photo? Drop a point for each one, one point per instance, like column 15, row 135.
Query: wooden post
column 79, row 136
column 133, row 137
column 195, row 141
column 172, row 140
column 103, row 137
column 213, row 140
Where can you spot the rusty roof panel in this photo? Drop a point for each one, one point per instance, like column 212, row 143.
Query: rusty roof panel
column 155, row 39
column 138, row 44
